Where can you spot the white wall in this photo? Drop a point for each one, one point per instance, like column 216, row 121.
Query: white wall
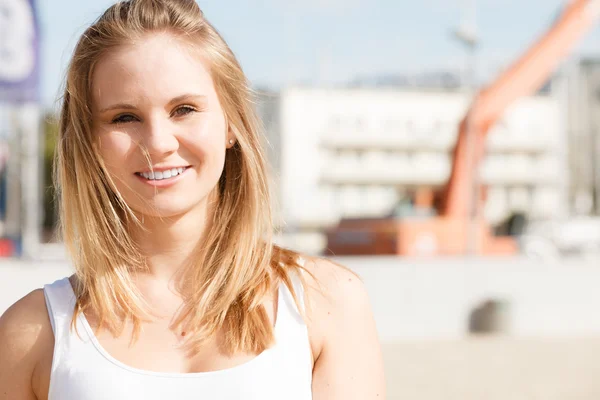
column 434, row 298
column 430, row 298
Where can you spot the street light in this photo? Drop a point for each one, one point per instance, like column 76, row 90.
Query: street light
column 466, row 34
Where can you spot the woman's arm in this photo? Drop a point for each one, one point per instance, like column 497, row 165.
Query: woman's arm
column 25, row 333
column 348, row 360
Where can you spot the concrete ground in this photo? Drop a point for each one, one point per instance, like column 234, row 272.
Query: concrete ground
column 494, row 368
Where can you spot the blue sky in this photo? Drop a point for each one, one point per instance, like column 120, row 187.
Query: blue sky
column 285, row 41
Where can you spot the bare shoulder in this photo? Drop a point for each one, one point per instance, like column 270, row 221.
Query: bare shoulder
column 22, row 324
column 347, row 355
column 335, row 286
column 25, row 337
column 336, row 296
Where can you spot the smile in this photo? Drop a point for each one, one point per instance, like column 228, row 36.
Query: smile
column 162, row 175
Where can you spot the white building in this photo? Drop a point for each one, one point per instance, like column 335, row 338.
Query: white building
column 355, row 152
column 579, row 84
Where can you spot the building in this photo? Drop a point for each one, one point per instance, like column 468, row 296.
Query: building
column 579, row 85
column 356, row 152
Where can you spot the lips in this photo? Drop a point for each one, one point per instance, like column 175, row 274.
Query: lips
column 161, row 174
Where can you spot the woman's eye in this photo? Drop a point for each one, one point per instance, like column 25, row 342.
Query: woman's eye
column 121, row 119
column 184, row 110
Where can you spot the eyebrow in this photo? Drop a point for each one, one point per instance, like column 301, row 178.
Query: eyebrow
column 127, row 106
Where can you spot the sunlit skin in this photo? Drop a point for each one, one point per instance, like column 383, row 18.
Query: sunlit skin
column 155, row 108
column 157, row 99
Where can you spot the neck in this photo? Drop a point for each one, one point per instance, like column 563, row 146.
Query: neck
column 168, row 243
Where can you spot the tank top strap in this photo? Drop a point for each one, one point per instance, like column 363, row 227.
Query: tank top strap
column 290, row 323
column 60, row 302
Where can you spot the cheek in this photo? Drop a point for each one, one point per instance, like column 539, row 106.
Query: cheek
column 206, row 139
column 114, row 148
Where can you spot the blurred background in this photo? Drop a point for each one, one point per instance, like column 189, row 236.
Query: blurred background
column 448, row 151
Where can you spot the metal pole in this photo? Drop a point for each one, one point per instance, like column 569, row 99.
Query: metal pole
column 473, row 235
column 594, row 99
column 466, row 34
column 12, row 227
column 31, row 180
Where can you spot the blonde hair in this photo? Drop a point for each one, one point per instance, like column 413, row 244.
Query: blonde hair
column 237, row 264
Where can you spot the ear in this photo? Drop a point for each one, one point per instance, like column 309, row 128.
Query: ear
column 230, row 138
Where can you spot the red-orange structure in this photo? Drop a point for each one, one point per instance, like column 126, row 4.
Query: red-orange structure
column 458, row 210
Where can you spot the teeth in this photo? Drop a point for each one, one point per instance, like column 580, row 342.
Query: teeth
column 159, row 175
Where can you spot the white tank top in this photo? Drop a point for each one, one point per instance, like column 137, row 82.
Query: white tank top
column 83, row 370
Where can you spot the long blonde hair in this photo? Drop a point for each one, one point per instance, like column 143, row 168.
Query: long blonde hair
column 237, row 264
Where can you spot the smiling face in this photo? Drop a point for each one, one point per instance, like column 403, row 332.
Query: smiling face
column 161, row 130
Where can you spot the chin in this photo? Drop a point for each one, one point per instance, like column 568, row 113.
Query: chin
column 169, row 204
column 168, row 209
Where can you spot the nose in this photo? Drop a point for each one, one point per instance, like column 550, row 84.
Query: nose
column 159, row 137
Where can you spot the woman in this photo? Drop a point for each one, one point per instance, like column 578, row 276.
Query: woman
column 179, row 292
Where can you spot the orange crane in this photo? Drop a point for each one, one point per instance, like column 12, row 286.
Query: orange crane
column 447, row 233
